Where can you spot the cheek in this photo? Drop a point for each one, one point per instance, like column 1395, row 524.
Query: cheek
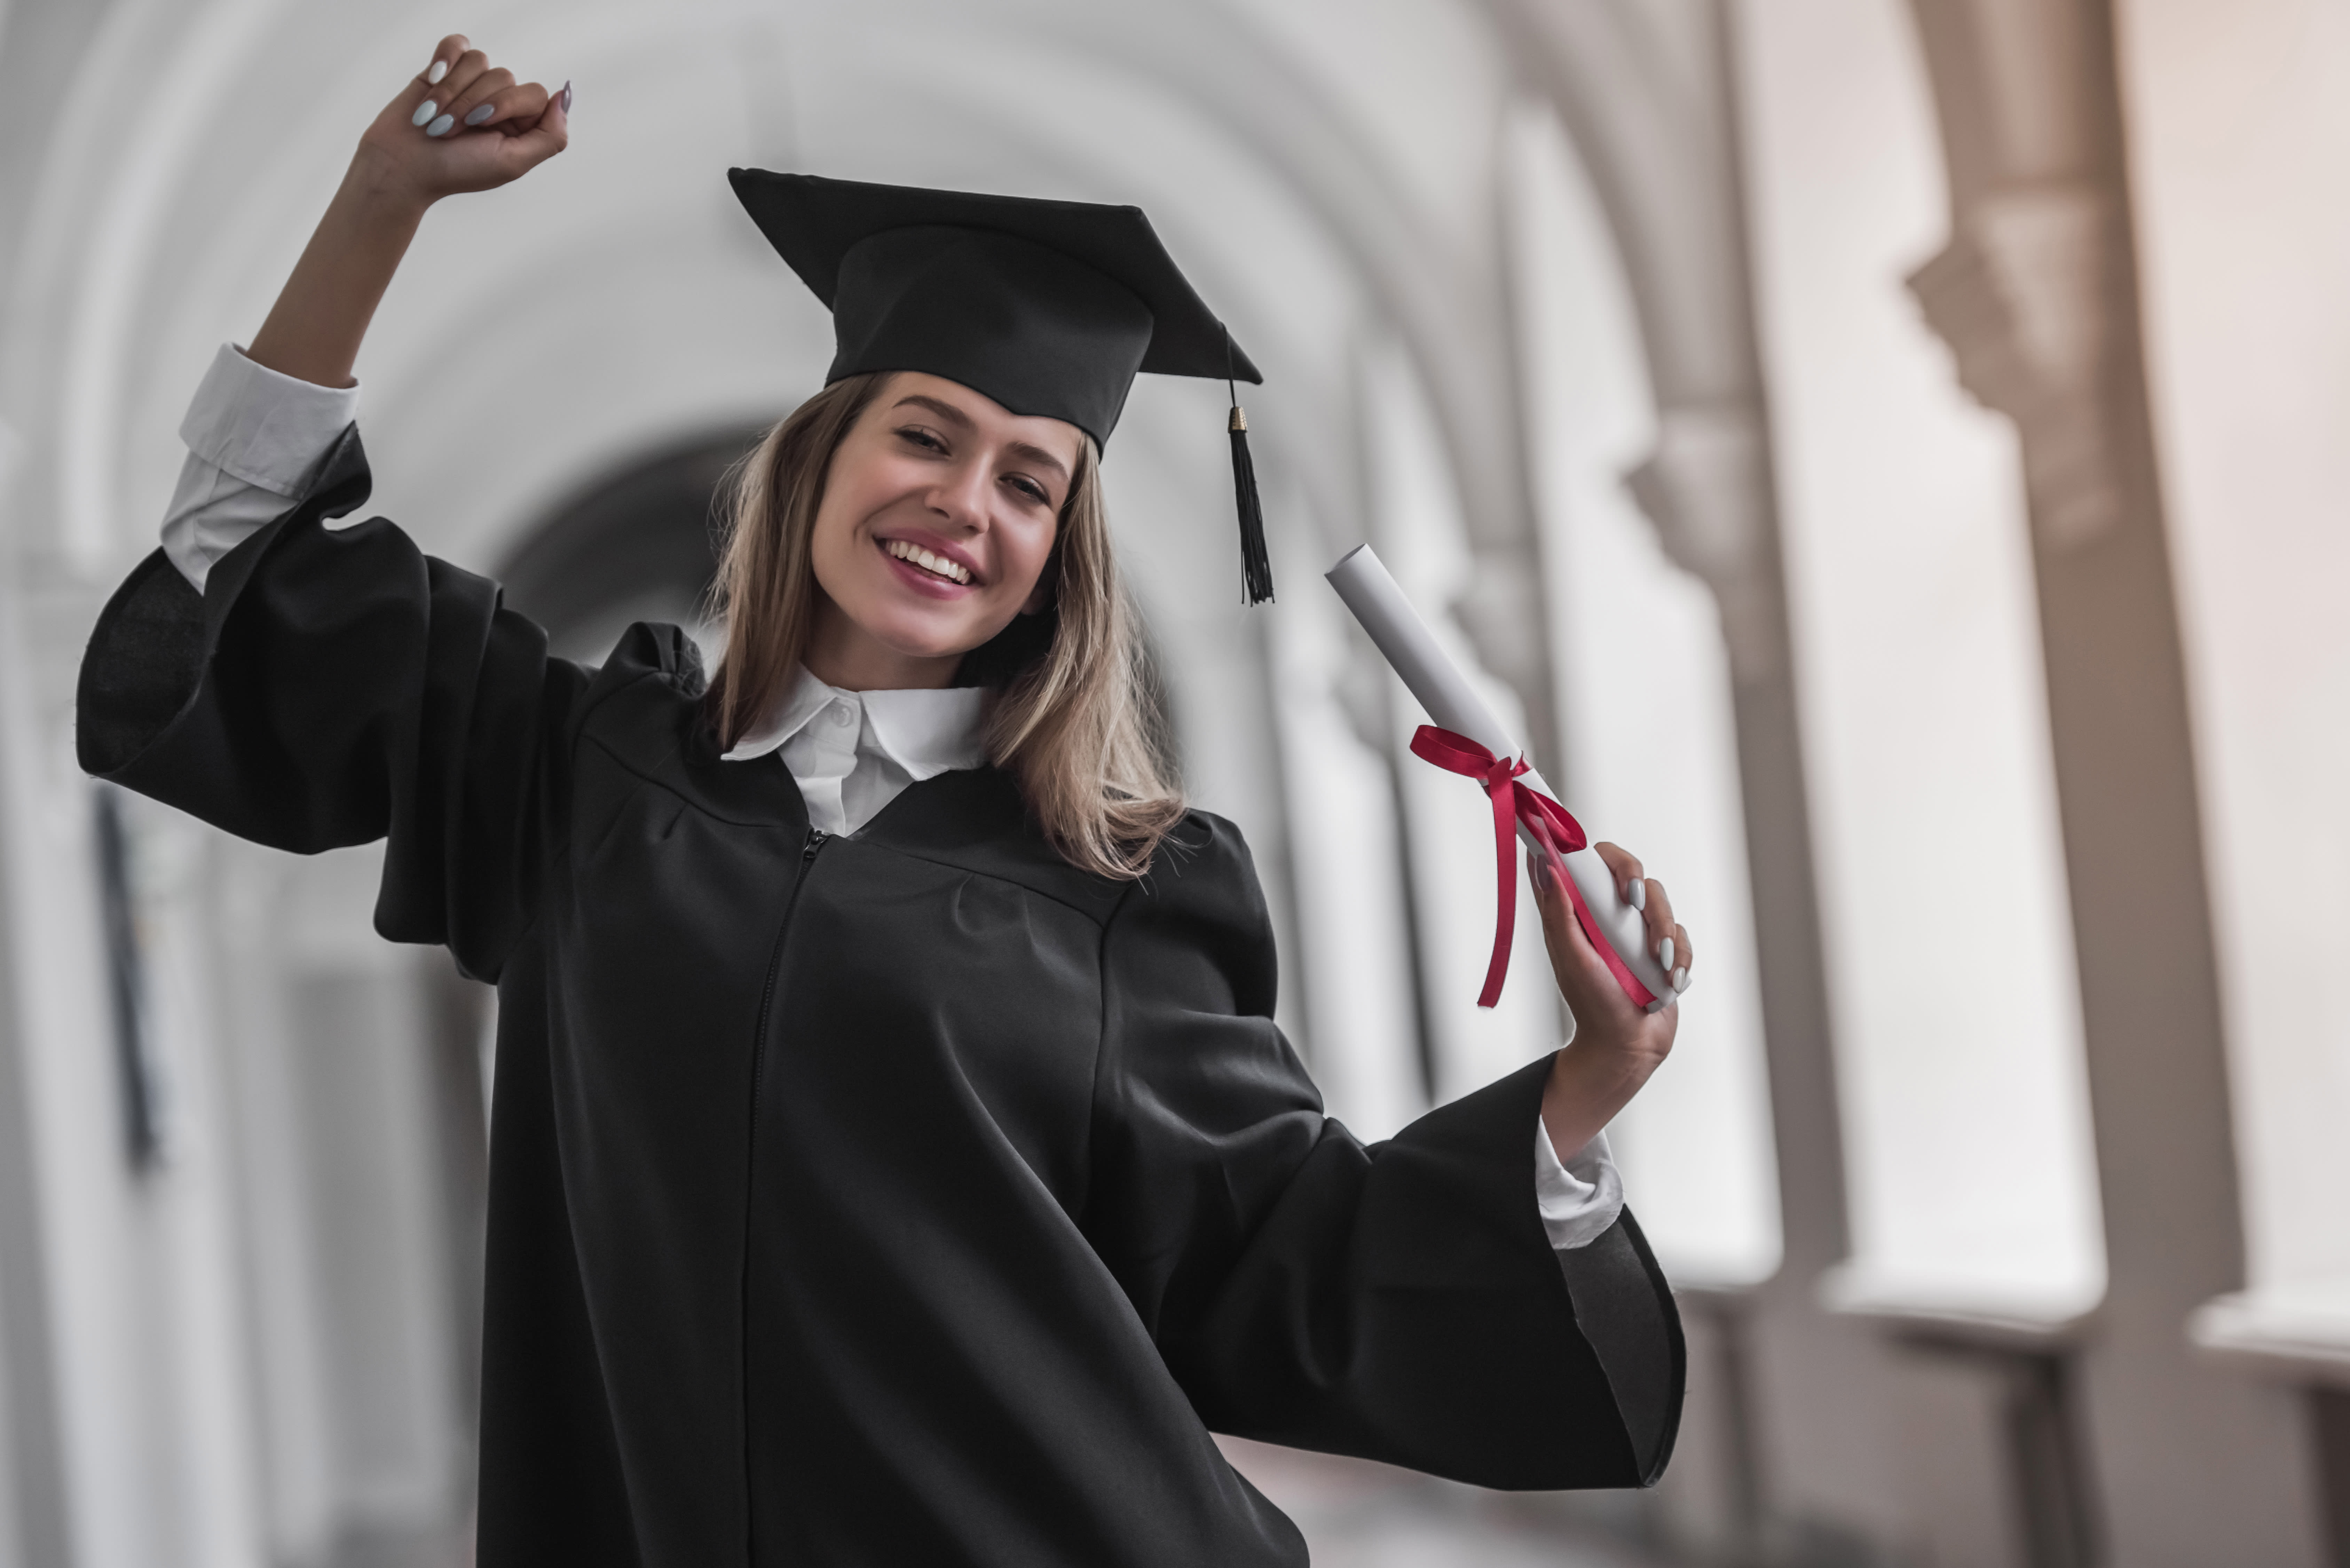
column 828, row 541
column 1026, row 551
column 850, row 494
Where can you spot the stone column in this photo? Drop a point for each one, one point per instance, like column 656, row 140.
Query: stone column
column 2037, row 295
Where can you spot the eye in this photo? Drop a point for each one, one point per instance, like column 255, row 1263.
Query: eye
column 921, row 438
column 1031, row 489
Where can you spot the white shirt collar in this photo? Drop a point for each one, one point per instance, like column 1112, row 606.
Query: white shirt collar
column 926, row 731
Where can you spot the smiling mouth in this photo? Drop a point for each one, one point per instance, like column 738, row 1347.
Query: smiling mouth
column 938, row 566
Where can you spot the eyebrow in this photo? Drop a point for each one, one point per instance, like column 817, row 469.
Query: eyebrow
column 956, row 417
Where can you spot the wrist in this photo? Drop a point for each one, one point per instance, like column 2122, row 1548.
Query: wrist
column 1609, row 1069
column 1589, row 1082
column 380, row 195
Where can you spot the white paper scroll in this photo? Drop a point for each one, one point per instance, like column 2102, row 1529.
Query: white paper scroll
column 1362, row 580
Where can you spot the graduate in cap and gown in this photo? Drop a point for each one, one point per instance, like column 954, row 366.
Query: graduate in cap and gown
column 894, row 1159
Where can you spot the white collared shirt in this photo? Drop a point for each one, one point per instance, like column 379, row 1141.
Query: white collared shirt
column 255, row 436
column 852, row 752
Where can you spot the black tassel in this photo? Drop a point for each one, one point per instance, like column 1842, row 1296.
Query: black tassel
column 1256, row 566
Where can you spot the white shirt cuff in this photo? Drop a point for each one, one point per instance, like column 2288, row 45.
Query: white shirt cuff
column 255, row 438
column 265, row 428
column 1578, row 1197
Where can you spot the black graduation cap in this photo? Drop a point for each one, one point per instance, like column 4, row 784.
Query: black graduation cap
column 1048, row 307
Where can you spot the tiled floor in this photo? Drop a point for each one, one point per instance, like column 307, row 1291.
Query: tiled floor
column 404, row 1549
column 1357, row 1515
column 1354, row 1514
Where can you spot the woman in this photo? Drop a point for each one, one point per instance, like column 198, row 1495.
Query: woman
column 895, row 1160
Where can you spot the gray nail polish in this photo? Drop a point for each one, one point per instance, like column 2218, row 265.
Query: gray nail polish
column 424, row 111
column 1680, row 979
column 1664, row 955
column 566, row 97
column 440, row 69
column 440, row 126
column 482, row 111
column 1640, row 893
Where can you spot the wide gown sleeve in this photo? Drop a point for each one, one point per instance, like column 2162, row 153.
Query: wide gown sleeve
column 1398, row 1302
column 335, row 687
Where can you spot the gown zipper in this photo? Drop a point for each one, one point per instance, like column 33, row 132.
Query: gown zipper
column 809, row 849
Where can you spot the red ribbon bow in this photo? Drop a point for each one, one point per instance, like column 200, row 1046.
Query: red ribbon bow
column 1550, row 826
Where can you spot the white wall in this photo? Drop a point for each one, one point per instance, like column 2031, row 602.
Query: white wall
column 1950, row 957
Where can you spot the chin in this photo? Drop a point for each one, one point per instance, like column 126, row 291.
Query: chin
column 911, row 631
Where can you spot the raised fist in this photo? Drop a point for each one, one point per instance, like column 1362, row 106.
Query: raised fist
column 462, row 124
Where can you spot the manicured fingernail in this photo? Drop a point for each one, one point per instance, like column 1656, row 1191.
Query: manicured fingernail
column 566, row 97
column 1680, row 979
column 440, row 126
column 482, row 111
column 433, row 77
column 424, row 111
column 1640, row 893
column 1665, row 954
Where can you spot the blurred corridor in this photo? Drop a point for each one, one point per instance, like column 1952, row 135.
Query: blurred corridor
column 1887, row 455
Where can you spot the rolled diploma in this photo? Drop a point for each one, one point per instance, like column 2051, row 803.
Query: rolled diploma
column 1362, row 580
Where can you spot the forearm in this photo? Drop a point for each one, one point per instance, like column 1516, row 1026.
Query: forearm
column 314, row 331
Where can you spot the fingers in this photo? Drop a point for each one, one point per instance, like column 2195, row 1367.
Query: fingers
column 425, row 139
column 1584, row 978
column 423, row 84
column 446, row 55
column 434, row 114
column 1658, row 913
column 512, row 109
column 533, row 142
column 1626, row 868
column 477, row 104
column 470, row 94
column 1668, row 940
column 1606, row 1019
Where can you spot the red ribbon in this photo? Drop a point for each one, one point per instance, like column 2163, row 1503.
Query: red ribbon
column 1550, row 826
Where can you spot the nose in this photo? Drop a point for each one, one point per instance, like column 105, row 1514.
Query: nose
column 961, row 496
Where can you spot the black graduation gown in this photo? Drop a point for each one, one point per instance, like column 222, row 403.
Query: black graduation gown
column 907, row 1196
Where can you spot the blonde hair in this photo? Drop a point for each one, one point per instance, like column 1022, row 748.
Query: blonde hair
column 1071, row 721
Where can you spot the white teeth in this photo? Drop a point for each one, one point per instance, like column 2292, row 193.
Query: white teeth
column 953, row 571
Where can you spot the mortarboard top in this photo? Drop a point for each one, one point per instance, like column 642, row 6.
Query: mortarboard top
column 1048, row 307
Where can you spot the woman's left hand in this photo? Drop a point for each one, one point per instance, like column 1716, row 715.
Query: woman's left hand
column 1617, row 1044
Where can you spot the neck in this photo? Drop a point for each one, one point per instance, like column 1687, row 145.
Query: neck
column 842, row 653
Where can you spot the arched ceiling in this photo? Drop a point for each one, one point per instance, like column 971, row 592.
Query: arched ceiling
column 1322, row 179
column 161, row 229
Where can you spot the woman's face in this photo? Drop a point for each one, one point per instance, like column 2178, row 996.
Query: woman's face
column 938, row 514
